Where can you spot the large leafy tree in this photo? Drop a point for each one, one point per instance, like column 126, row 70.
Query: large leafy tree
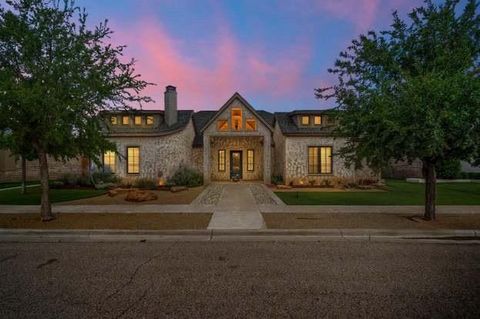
column 413, row 91
column 56, row 77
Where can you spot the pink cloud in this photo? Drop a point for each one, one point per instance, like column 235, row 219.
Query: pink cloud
column 235, row 67
column 362, row 13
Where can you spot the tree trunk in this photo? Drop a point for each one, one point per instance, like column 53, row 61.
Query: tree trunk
column 24, row 176
column 46, row 207
column 430, row 189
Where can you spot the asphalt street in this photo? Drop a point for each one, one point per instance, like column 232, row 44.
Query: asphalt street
column 239, row 279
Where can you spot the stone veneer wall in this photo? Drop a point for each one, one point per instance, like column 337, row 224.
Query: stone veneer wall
column 11, row 170
column 163, row 154
column 197, row 158
column 296, row 157
column 237, row 144
column 279, row 152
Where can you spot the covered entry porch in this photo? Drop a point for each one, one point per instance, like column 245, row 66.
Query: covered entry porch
column 244, row 158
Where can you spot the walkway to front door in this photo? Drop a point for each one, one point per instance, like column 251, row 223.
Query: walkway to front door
column 236, row 205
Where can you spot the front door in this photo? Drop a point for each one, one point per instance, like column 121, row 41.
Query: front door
column 236, row 165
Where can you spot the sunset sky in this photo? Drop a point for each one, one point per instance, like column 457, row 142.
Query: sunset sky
column 272, row 52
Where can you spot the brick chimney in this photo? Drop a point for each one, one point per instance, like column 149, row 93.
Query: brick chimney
column 171, row 105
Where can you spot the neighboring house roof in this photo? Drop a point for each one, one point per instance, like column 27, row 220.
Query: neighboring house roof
column 184, row 117
column 285, row 121
column 245, row 103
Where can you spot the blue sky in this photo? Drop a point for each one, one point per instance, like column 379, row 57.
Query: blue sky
column 272, row 52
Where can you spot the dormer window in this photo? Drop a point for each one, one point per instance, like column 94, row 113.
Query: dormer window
column 149, row 120
column 125, row 120
column 317, row 120
column 113, row 120
column 305, row 120
column 236, row 119
column 138, row 120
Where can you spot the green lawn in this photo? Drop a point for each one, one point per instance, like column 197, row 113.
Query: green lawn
column 14, row 196
column 399, row 193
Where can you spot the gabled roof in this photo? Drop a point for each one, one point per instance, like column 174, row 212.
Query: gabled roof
column 245, row 103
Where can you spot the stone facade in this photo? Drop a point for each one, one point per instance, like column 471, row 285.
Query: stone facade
column 296, row 159
column 237, row 144
column 214, row 139
column 158, row 155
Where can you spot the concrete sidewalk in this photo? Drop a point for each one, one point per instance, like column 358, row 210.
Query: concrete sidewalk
column 405, row 235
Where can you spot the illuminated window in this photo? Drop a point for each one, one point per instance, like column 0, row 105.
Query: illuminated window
column 317, row 120
column 221, row 160
column 149, row 120
column 251, row 125
column 236, row 119
column 109, row 158
column 250, row 160
column 305, row 120
column 222, row 125
column 113, row 120
column 320, row 160
column 133, row 160
column 125, row 120
column 138, row 120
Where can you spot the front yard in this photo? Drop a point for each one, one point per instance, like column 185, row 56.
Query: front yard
column 398, row 193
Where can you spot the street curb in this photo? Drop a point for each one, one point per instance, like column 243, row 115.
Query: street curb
column 377, row 235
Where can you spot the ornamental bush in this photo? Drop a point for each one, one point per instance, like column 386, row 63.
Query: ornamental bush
column 185, row 176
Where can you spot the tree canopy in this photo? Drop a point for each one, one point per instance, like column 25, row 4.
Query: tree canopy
column 413, row 91
column 56, row 77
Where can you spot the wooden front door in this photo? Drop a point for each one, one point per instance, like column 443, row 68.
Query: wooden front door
column 236, row 165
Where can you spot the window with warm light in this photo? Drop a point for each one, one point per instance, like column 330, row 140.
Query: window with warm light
column 113, row 120
column 251, row 125
column 250, row 160
column 317, row 120
column 305, row 120
column 125, row 120
column 109, row 159
column 133, row 160
column 320, row 160
column 222, row 125
column 149, row 120
column 236, row 119
column 221, row 160
column 138, row 120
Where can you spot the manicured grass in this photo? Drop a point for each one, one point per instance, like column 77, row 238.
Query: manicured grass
column 399, row 193
column 14, row 196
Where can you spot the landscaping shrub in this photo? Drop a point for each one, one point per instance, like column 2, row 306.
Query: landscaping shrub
column 69, row 180
column 449, row 169
column 145, row 183
column 277, row 180
column 105, row 177
column 185, row 176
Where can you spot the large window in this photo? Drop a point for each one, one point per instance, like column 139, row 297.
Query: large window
column 250, row 160
column 109, row 158
column 236, row 119
column 317, row 120
column 113, row 120
column 221, row 160
column 320, row 160
column 125, row 120
column 133, row 160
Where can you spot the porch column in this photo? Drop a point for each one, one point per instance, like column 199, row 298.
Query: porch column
column 206, row 159
column 267, row 159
